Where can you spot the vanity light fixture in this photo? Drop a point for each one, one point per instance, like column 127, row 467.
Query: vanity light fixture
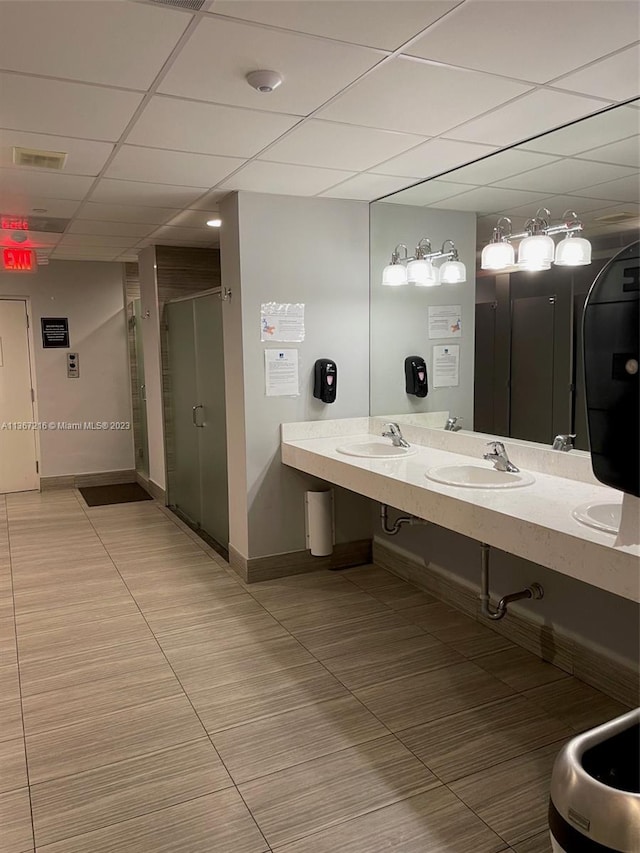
column 214, row 223
column 537, row 250
column 420, row 269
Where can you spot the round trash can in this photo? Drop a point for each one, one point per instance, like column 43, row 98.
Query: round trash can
column 595, row 790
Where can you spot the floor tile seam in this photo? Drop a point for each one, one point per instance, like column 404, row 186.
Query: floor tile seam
column 20, row 697
column 192, row 534
column 205, row 733
column 129, row 819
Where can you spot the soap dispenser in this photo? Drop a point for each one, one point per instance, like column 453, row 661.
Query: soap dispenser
column 610, row 333
column 415, row 374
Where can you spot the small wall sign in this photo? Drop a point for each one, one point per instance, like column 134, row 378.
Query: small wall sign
column 55, row 332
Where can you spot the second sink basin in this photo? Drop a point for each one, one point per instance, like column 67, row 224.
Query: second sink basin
column 600, row 516
column 376, row 450
column 479, row 477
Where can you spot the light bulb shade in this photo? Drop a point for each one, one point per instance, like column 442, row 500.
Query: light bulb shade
column 394, row 275
column 497, row 256
column 536, row 252
column 453, row 272
column 421, row 273
column 573, row 252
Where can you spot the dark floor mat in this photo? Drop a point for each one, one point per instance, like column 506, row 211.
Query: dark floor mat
column 121, row 493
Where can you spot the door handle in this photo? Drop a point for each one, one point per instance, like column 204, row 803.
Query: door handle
column 195, row 417
column 143, row 393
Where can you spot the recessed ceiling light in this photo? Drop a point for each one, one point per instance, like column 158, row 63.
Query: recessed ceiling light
column 39, row 209
column 214, row 223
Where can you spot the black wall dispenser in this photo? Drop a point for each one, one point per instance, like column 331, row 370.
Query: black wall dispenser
column 415, row 374
column 611, row 330
column 325, row 384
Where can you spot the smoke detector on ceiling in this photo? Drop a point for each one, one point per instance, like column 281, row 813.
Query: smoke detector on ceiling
column 38, row 159
column 264, row 81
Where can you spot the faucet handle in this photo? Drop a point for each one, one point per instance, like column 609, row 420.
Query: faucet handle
column 393, row 428
column 495, row 446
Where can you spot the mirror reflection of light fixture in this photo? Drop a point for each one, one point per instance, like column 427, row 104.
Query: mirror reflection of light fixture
column 537, row 250
column 395, row 273
column 420, row 269
column 499, row 253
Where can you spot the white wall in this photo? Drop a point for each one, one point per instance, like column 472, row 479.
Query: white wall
column 291, row 249
column 90, row 294
column 399, row 315
column 152, row 364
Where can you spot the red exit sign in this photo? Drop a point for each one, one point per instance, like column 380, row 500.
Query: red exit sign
column 14, row 223
column 19, row 260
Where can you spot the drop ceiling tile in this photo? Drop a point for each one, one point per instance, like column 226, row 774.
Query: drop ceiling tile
column 367, row 186
column 22, row 205
column 193, row 236
column 284, row 179
column 213, row 64
column 427, row 193
column 417, row 97
column 83, row 157
column 339, row 146
column 110, row 229
column 118, row 44
column 532, row 41
column 170, row 167
column 384, row 24
column 490, row 200
column 210, row 201
column 558, row 204
column 609, row 126
column 615, row 78
column 43, row 183
column 126, row 213
column 567, row 175
column 70, row 109
column 194, row 218
column 434, row 157
column 85, row 254
column 101, row 241
column 207, row 128
column 624, row 153
column 43, row 239
column 534, row 113
column 499, row 166
column 624, row 189
column 137, row 192
column 594, row 219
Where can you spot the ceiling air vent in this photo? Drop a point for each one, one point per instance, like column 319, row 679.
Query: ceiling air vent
column 616, row 218
column 192, row 5
column 38, row 159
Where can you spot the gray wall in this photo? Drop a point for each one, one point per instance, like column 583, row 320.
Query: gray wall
column 314, row 251
column 595, row 616
column 91, row 295
column 399, row 315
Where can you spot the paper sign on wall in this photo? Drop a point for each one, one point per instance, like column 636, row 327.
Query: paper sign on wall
column 446, row 366
column 281, row 373
column 282, row 321
column 445, row 321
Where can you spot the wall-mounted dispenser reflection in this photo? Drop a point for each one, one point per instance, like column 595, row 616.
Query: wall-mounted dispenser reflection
column 612, row 379
column 415, row 374
column 325, row 384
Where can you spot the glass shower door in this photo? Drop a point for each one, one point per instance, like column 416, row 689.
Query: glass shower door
column 142, row 456
column 213, row 434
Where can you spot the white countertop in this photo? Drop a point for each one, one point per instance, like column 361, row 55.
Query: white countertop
column 533, row 522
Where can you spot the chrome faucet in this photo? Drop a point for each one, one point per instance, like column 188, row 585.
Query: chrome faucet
column 498, row 455
column 452, row 424
column 563, row 442
column 394, row 432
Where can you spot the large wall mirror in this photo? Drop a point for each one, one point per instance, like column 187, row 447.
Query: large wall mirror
column 503, row 349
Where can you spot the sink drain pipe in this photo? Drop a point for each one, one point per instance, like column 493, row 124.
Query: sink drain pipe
column 535, row 591
column 394, row 528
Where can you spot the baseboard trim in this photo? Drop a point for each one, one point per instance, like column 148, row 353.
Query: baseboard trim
column 78, row 481
column 255, row 569
column 588, row 663
column 153, row 488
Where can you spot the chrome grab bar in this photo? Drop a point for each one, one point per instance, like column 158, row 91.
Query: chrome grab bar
column 195, row 417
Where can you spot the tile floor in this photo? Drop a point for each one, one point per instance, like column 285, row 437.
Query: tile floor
column 151, row 702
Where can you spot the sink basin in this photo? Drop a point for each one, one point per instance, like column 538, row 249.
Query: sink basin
column 479, row 477
column 376, row 450
column 601, row 516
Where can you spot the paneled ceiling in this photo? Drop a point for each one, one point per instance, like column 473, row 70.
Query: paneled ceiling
column 151, row 106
